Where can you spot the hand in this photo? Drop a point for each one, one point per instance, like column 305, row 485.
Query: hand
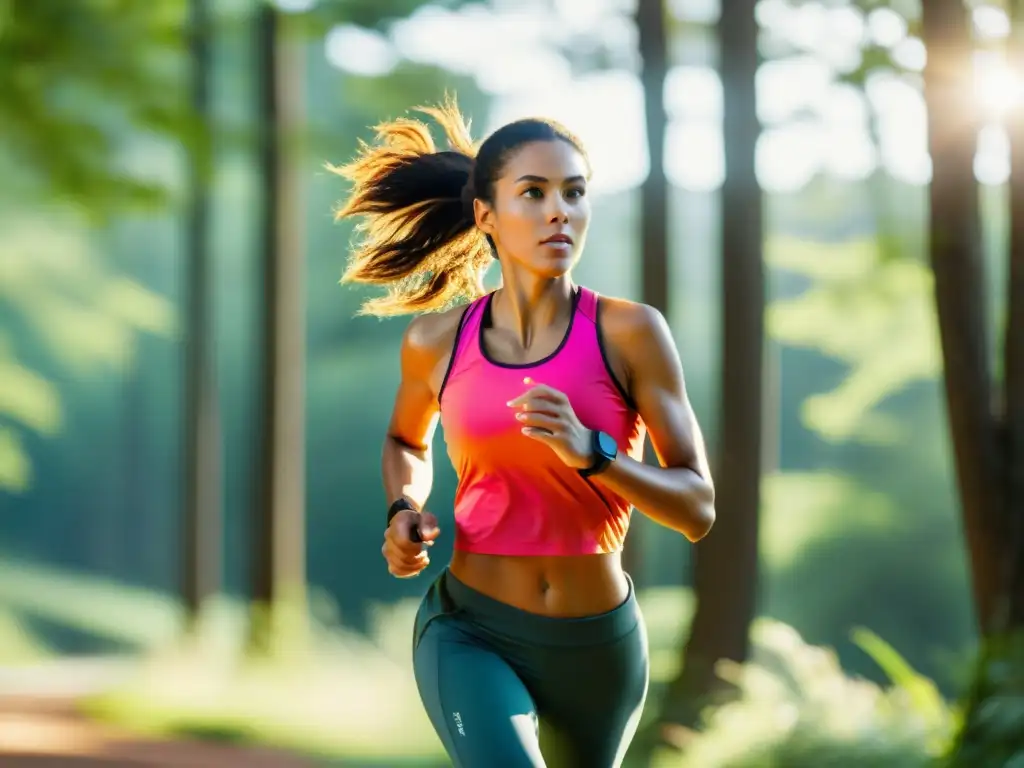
column 548, row 418
column 406, row 557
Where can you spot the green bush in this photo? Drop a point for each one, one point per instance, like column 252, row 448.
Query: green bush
column 796, row 707
column 993, row 733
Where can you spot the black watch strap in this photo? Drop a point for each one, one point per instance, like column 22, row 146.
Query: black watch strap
column 397, row 506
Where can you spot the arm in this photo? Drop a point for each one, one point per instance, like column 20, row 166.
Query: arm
column 406, row 461
column 406, row 465
column 679, row 494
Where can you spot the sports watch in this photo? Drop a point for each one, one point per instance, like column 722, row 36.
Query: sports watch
column 604, row 449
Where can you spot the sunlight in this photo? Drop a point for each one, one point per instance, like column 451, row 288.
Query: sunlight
column 998, row 88
column 886, row 27
column 910, row 54
column 605, row 109
column 359, row 50
column 992, row 161
column 990, row 22
column 694, row 156
column 812, row 123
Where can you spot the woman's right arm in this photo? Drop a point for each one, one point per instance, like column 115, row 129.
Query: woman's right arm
column 406, row 463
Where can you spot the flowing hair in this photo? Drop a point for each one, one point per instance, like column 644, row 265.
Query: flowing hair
column 418, row 235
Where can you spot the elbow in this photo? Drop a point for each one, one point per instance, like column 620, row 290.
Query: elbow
column 702, row 518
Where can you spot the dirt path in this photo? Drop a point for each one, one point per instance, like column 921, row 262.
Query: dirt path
column 40, row 728
column 43, row 731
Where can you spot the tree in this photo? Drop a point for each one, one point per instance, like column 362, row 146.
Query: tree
column 725, row 572
column 955, row 251
column 654, row 197
column 201, row 562
column 278, row 555
column 987, row 431
column 72, row 78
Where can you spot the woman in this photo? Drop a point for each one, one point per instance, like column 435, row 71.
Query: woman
column 532, row 637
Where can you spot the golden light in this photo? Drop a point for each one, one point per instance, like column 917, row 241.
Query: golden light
column 999, row 88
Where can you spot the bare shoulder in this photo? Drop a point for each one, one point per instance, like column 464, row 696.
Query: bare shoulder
column 634, row 328
column 429, row 339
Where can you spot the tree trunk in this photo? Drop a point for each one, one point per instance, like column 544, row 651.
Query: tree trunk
column 278, row 562
column 654, row 192
column 654, row 200
column 1014, row 342
column 201, row 561
column 725, row 575
column 957, row 262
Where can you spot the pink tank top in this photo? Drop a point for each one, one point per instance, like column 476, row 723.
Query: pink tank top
column 515, row 496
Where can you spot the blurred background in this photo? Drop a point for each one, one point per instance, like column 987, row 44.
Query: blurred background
column 191, row 413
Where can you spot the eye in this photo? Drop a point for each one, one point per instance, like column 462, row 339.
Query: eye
column 575, row 193
column 533, row 192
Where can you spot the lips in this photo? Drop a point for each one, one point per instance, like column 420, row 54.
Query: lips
column 557, row 239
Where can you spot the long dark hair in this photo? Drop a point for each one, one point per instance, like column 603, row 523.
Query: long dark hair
column 418, row 236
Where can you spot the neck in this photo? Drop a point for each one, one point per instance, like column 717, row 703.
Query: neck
column 527, row 305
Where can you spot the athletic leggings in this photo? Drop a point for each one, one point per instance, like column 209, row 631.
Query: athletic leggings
column 508, row 688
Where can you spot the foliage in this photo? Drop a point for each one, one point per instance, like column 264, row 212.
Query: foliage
column 871, row 313
column 73, row 78
column 993, row 732
column 797, row 708
column 69, row 315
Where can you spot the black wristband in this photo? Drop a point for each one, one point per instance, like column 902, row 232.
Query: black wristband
column 397, row 506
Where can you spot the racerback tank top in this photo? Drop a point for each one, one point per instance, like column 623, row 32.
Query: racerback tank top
column 515, row 496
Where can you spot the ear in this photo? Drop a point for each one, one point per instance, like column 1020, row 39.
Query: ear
column 483, row 212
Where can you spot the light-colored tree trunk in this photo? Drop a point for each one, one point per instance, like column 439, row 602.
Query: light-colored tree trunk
column 725, row 573
column 279, row 552
column 201, row 529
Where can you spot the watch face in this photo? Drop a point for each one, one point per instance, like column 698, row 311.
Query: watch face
column 606, row 444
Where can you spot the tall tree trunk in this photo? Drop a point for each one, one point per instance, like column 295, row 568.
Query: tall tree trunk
column 725, row 575
column 957, row 261
column 201, row 561
column 654, row 198
column 279, row 561
column 988, row 443
column 1013, row 359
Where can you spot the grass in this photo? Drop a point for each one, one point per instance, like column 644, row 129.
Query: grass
column 346, row 696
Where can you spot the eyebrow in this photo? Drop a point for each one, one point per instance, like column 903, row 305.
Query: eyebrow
column 542, row 180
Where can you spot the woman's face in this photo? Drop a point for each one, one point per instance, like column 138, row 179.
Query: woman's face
column 540, row 213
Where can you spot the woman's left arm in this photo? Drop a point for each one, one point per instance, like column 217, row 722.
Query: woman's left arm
column 680, row 493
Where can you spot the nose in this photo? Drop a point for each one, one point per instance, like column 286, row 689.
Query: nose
column 559, row 210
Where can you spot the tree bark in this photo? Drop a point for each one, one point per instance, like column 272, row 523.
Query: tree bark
column 957, row 262
column 279, row 562
column 725, row 574
column 201, row 561
column 654, row 203
column 654, row 192
column 1014, row 344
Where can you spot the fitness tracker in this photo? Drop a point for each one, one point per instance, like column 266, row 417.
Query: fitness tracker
column 605, row 450
column 397, row 506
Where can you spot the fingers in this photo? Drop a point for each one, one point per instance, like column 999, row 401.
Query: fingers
column 539, row 397
column 428, row 528
column 405, row 554
column 402, row 560
column 540, row 434
column 537, row 420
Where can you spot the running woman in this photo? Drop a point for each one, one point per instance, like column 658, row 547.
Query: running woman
column 530, row 646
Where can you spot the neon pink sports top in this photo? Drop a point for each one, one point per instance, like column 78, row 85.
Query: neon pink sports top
column 515, row 496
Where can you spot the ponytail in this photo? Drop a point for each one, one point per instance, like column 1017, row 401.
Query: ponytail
column 418, row 237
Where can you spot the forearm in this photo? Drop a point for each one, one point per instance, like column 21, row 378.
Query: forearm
column 677, row 498
column 407, row 471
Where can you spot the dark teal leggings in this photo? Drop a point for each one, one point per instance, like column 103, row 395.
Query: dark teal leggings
column 507, row 688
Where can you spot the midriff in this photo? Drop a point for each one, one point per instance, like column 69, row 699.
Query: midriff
column 559, row 586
